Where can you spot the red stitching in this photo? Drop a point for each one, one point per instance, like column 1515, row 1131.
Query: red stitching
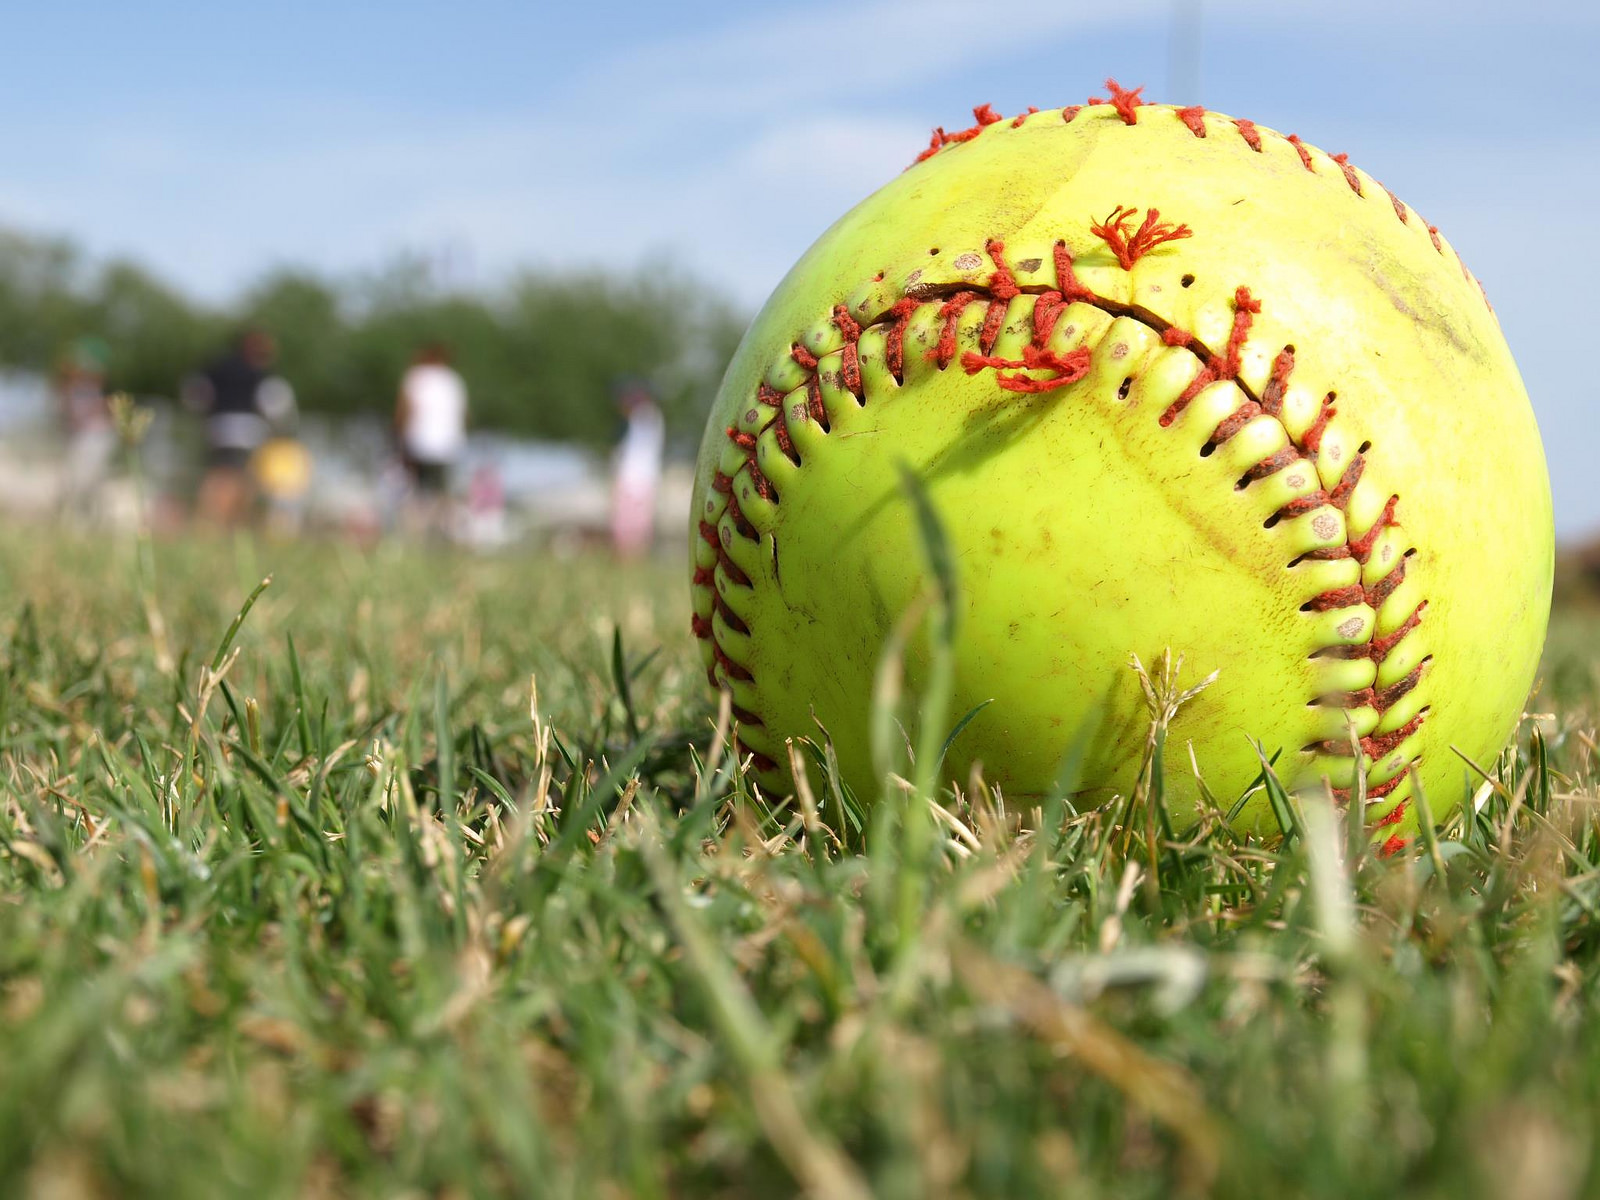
column 1361, row 547
column 1379, row 698
column 1394, row 845
column 1350, row 175
column 895, row 342
column 1123, row 100
column 850, row 371
column 734, row 620
column 1433, row 232
column 1234, row 422
column 1313, row 436
column 1376, row 792
column 1002, row 290
column 935, row 144
column 740, row 521
column 1216, row 368
column 814, row 408
column 1047, row 310
column 745, row 717
column 1069, row 367
column 734, row 669
column 1381, row 646
column 759, row 761
column 1348, row 478
column 1126, row 102
column 983, row 115
column 1066, row 278
column 1278, row 383
column 1130, row 248
column 1279, row 460
column 945, row 349
column 1244, row 310
column 1374, row 746
column 850, row 360
column 1195, row 118
column 1393, row 817
column 1301, row 505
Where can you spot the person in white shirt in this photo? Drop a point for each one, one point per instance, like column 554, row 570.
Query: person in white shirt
column 431, row 421
column 638, row 471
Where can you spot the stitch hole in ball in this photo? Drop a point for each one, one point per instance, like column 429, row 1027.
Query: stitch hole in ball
column 933, row 250
column 1127, row 385
column 1364, row 447
column 1187, row 281
column 1271, row 522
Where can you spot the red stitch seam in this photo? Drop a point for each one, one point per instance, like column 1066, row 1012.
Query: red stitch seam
column 1068, row 368
column 1300, row 148
column 1350, row 175
column 1130, row 248
column 1125, row 102
column 983, row 115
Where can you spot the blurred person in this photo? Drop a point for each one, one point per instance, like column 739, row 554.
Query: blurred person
column 484, row 526
column 637, row 470
column 430, row 421
column 80, row 388
column 281, row 471
column 243, row 404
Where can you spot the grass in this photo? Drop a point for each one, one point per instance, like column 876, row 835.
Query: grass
column 331, row 901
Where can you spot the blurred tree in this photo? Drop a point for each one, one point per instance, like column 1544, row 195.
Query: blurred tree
column 305, row 316
column 155, row 336
column 41, row 304
column 574, row 337
column 542, row 356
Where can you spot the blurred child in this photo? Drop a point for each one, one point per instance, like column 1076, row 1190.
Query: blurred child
column 80, row 386
column 637, row 469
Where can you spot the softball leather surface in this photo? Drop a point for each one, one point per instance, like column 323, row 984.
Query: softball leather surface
column 1173, row 380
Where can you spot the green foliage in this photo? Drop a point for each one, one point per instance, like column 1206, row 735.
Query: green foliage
column 541, row 355
column 308, row 892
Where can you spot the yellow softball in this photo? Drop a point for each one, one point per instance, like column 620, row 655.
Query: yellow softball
column 1172, row 379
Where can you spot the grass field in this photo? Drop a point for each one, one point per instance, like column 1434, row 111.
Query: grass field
column 335, row 902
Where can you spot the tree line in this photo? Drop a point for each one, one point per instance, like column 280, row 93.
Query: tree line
column 541, row 353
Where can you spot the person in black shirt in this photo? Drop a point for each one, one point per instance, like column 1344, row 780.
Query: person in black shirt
column 243, row 403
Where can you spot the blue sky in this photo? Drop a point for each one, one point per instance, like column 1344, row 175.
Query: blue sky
column 215, row 141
